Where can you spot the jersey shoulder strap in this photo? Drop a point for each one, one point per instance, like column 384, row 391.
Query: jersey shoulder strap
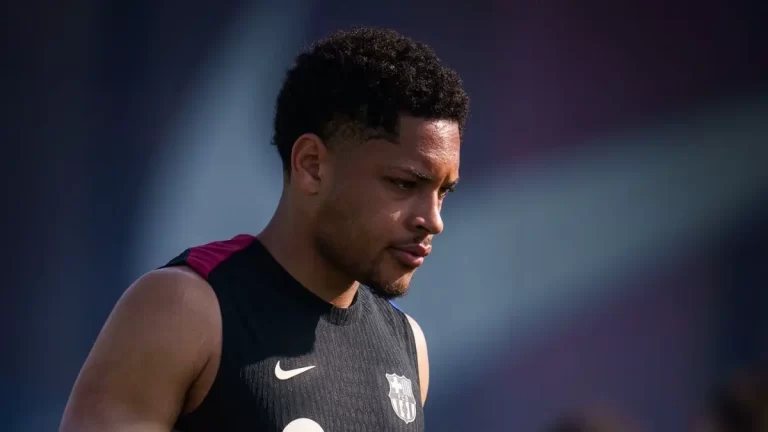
column 204, row 259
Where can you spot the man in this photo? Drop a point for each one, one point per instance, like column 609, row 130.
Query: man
column 293, row 330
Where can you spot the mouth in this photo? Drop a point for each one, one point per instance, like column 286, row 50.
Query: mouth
column 411, row 256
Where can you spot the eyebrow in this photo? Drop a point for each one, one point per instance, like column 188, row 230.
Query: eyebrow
column 413, row 172
column 384, row 136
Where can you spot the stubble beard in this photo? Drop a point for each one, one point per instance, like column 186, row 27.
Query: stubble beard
column 366, row 274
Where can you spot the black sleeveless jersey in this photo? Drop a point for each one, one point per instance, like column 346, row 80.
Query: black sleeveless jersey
column 291, row 362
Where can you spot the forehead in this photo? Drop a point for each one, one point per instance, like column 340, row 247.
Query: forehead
column 432, row 145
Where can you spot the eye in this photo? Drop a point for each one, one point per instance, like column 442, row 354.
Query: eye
column 405, row 185
column 445, row 191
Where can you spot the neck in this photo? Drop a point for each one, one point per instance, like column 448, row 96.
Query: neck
column 289, row 241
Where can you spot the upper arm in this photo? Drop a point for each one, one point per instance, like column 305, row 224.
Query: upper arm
column 157, row 340
column 421, row 357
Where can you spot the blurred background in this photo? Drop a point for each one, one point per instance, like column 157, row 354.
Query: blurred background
column 608, row 245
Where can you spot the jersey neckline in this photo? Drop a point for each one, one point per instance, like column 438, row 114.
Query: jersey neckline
column 295, row 291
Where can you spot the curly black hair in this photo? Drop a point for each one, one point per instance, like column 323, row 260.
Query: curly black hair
column 361, row 81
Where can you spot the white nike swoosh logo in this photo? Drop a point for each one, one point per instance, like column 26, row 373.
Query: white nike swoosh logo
column 288, row 374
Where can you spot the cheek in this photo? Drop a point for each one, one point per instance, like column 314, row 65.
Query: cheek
column 363, row 215
column 372, row 204
column 370, row 231
column 373, row 226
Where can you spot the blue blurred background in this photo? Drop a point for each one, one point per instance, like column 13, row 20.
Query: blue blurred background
column 608, row 244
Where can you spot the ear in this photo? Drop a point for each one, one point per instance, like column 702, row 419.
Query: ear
column 309, row 159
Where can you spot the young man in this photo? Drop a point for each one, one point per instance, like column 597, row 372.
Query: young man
column 292, row 330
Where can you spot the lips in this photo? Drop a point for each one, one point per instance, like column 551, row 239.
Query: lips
column 411, row 255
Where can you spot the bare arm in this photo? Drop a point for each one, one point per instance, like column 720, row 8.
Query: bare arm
column 158, row 340
column 421, row 357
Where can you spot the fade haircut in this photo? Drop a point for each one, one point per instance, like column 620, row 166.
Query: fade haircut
column 355, row 85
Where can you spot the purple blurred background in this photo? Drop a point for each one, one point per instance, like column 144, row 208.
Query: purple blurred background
column 609, row 243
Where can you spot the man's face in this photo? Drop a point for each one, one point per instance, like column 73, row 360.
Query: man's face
column 377, row 221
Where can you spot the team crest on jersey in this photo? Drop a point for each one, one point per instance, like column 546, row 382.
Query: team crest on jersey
column 401, row 396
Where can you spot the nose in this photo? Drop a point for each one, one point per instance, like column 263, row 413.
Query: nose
column 428, row 217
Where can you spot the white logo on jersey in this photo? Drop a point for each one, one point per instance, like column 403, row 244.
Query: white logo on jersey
column 303, row 425
column 401, row 396
column 284, row 375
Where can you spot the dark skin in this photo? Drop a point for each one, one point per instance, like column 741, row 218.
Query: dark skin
column 354, row 203
column 343, row 213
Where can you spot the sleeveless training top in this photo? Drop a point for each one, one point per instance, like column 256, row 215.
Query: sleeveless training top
column 292, row 362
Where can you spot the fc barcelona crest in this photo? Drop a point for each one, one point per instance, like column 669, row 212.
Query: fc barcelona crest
column 401, row 396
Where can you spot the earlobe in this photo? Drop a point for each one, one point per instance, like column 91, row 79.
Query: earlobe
column 307, row 157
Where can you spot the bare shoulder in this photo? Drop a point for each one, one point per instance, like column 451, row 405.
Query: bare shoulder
column 421, row 356
column 175, row 302
column 172, row 290
column 158, row 342
column 418, row 333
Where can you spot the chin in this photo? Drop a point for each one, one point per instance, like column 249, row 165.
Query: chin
column 392, row 288
column 388, row 292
